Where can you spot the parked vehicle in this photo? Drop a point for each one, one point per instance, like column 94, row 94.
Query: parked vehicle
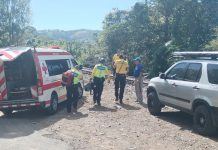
column 31, row 77
column 190, row 86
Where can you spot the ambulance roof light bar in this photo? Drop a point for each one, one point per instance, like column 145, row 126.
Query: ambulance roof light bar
column 196, row 55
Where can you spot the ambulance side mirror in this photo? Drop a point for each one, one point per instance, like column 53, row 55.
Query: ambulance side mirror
column 80, row 67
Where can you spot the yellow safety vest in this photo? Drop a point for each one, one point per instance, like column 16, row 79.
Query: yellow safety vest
column 100, row 71
column 77, row 76
column 121, row 66
column 115, row 57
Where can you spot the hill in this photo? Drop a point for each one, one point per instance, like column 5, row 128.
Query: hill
column 77, row 35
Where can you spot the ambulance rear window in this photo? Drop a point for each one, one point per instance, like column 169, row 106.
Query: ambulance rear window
column 57, row 67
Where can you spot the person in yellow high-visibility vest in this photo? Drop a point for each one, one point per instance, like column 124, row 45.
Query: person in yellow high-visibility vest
column 72, row 89
column 115, row 57
column 122, row 69
column 99, row 73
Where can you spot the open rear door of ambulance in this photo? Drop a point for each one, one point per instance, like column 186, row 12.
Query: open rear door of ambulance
column 3, row 89
column 13, row 77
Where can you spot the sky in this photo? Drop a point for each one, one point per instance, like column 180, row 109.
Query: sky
column 74, row 14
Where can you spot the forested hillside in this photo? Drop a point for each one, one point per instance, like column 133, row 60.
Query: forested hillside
column 82, row 35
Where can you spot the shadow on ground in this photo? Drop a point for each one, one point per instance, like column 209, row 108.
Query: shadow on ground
column 183, row 120
column 102, row 108
column 24, row 123
column 130, row 107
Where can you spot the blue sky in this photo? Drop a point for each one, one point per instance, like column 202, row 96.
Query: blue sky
column 74, row 14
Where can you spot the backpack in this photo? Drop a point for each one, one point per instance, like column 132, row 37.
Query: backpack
column 67, row 78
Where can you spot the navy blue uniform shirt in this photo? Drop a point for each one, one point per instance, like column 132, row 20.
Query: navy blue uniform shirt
column 138, row 70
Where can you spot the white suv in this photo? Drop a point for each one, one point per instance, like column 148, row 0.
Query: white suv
column 190, row 86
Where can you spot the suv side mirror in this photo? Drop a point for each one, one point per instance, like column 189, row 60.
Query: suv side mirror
column 162, row 76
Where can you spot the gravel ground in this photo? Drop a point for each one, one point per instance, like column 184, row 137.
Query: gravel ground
column 110, row 127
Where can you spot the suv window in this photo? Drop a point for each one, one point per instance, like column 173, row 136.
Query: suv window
column 177, row 72
column 193, row 72
column 57, row 67
column 212, row 71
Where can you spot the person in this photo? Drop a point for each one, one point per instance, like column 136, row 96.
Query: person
column 73, row 79
column 125, row 57
column 114, row 59
column 138, row 79
column 121, row 68
column 99, row 73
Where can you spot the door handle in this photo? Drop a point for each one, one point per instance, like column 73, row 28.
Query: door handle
column 196, row 88
column 174, row 84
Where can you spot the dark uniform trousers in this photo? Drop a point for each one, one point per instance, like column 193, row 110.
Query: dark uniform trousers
column 72, row 97
column 98, row 88
column 120, row 83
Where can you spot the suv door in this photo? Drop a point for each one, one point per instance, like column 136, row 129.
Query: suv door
column 188, row 88
column 168, row 87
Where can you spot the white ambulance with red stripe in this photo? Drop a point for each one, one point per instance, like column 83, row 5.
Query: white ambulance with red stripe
column 31, row 77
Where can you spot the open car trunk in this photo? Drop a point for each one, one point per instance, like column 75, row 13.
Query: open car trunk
column 20, row 76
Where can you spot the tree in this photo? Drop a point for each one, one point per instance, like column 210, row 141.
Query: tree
column 147, row 27
column 14, row 19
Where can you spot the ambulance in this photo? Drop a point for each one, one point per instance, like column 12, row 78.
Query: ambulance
column 31, row 77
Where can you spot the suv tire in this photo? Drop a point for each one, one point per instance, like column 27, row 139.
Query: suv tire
column 154, row 105
column 54, row 104
column 202, row 120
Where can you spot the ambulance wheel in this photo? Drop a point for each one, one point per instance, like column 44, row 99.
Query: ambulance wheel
column 54, row 104
column 7, row 112
column 80, row 91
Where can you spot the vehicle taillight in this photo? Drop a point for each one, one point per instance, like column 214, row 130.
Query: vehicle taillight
column 40, row 89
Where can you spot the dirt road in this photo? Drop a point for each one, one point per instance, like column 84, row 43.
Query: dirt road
column 109, row 127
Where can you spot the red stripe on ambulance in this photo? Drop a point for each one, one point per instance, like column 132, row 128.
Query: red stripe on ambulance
column 51, row 85
column 2, row 81
column 7, row 55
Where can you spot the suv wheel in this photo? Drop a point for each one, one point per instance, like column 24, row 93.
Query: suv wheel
column 202, row 119
column 154, row 105
column 54, row 104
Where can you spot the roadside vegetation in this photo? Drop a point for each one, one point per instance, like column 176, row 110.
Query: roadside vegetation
column 151, row 29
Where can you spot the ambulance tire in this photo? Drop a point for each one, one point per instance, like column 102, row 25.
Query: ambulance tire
column 80, row 90
column 7, row 112
column 53, row 108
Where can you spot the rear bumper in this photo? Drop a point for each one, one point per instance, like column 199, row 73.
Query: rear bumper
column 20, row 104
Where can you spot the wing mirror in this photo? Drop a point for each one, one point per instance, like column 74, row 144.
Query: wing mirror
column 162, row 76
column 80, row 67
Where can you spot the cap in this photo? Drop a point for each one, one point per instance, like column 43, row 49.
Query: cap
column 101, row 60
column 137, row 59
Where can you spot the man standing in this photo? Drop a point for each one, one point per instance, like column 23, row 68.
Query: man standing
column 122, row 69
column 138, row 79
column 71, row 80
column 114, row 59
column 99, row 73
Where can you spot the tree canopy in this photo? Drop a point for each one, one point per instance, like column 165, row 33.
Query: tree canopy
column 14, row 18
column 155, row 28
column 152, row 29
